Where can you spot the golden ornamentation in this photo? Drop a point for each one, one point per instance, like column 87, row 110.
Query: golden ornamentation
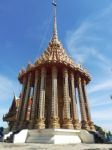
column 40, row 123
column 67, row 123
column 54, row 123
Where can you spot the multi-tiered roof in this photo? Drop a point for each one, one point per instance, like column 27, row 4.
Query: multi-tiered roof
column 55, row 54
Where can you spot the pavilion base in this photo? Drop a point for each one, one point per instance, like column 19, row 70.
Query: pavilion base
column 54, row 136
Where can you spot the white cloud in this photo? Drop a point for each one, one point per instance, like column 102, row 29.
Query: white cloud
column 105, row 85
column 82, row 42
column 101, row 103
column 104, row 115
column 7, row 86
column 98, row 100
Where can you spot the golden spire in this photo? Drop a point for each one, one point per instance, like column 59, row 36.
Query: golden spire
column 55, row 33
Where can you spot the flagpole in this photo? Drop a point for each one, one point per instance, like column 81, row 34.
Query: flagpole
column 54, row 7
column 55, row 34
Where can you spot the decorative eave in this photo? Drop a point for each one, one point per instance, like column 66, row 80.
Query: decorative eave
column 23, row 72
column 75, row 67
column 30, row 67
column 83, row 73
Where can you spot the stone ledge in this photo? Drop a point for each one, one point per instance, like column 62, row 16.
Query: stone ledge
column 28, row 146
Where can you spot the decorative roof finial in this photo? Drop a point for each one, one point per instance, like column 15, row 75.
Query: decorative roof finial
column 55, row 33
column 14, row 94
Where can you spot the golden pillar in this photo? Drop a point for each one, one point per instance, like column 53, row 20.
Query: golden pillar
column 90, row 123
column 54, row 121
column 67, row 122
column 84, row 122
column 41, row 111
column 23, row 123
column 34, row 104
column 73, row 101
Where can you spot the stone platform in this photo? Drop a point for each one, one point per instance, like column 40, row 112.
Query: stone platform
column 54, row 136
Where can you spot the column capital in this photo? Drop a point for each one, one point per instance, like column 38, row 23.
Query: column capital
column 79, row 79
column 43, row 70
column 84, row 82
column 54, row 68
column 54, row 71
column 71, row 75
column 36, row 72
column 65, row 71
column 24, row 79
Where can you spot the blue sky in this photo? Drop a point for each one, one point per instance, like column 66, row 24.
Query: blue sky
column 84, row 28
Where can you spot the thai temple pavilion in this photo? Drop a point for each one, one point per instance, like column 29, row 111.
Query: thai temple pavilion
column 55, row 84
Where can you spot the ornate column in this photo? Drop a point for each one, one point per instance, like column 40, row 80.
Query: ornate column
column 91, row 124
column 41, row 111
column 82, row 106
column 67, row 122
column 34, row 104
column 74, row 105
column 54, row 121
column 16, row 124
column 25, row 105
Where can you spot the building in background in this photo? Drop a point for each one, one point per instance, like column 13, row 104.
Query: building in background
column 11, row 116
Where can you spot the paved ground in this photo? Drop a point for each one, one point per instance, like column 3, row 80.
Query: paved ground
column 55, row 147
